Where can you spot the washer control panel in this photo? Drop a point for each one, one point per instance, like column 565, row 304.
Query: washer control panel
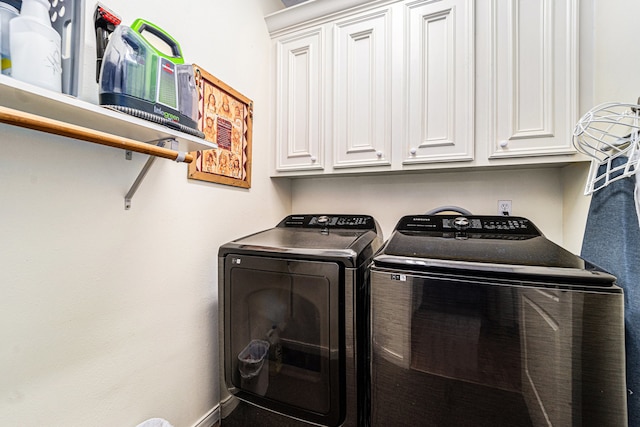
column 500, row 225
column 360, row 222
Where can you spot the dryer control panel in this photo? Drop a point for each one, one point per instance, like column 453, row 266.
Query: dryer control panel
column 358, row 222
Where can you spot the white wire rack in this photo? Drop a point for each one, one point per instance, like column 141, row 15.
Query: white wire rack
column 609, row 134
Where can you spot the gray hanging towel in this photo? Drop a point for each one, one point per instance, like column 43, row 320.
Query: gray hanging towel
column 612, row 242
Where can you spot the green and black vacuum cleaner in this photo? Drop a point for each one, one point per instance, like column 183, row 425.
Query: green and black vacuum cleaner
column 140, row 79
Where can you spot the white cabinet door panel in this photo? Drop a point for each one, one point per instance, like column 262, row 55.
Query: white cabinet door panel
column 440, row 81
column 300, row 101
column 361, row 113
column 534, row 76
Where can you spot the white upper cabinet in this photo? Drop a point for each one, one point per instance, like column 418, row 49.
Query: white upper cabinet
column 300, row 100
column 402, row 85
column 440, row 81
column 530, row 79
column 360, row 115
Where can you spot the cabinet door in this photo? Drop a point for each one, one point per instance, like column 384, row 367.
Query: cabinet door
column 440, row 86
column 534, row 77
column 299, row 101
column 361, row 112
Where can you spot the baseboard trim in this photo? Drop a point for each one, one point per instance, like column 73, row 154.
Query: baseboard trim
column 210, row 418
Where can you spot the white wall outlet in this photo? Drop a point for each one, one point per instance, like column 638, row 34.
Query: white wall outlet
column 504, row 207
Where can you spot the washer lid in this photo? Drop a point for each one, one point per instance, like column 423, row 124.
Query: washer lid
column 492, row 244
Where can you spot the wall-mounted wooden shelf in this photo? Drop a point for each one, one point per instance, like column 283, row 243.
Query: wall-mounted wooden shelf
column 68, row 109
column 27, row 106
column 57, row 127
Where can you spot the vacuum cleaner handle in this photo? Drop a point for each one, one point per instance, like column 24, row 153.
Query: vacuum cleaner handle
column 140, row 25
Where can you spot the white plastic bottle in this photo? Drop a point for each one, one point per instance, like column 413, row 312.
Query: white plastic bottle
column 35, row 46
column 8, row 11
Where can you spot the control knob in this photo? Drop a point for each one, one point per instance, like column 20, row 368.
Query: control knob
column 461, row 223
column 323, row 220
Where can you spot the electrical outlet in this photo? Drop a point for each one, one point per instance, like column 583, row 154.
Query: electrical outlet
column 504, row 207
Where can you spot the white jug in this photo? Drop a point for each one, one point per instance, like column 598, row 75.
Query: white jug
column 8, row 11
column 35, row 46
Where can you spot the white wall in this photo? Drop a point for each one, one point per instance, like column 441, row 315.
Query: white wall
column 109, row 317
column 536, row 194
column 575, row 205
column 617, row 57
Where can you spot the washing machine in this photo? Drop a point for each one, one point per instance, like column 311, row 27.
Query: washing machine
column 293, row 322
column 482, row 321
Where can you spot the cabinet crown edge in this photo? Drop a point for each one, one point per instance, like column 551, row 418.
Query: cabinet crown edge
column 313, row 11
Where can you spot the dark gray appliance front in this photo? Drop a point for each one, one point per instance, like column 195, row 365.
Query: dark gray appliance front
column 481, row 321
column 298, row 288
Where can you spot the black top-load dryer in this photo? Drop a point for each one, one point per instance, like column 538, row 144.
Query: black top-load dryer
column 293, row 324
column 482, row 321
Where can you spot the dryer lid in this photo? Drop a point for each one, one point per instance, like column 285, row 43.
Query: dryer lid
column 348, row 238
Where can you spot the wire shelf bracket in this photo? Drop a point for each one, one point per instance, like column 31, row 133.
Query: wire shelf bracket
column 145, row 169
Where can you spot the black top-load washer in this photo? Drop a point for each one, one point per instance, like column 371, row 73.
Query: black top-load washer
column 482, row 321
column 294, row 324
